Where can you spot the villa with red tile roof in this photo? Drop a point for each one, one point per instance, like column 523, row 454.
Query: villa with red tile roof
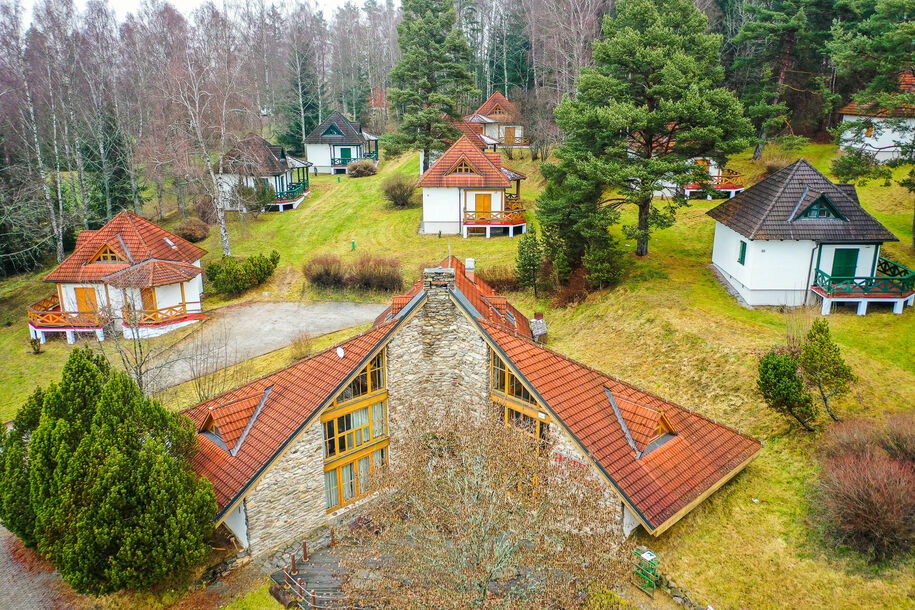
column 130, row 275
column 467, row 191
column 499, row 119
column 881, row 132
column 295, row 450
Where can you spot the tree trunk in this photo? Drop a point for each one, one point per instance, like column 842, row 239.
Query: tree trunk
column 641, row 248
column 807, row 426
column 758, row 151
column 826, row 402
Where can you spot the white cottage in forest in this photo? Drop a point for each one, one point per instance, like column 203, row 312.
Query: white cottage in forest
column 796, row 236
column 879, row 132
column 254, row 162
column 337, row 142
column 467, row 191
column 498, row 119
column 130, row 276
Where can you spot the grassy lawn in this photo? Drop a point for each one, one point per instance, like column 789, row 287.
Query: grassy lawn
column 670, row 328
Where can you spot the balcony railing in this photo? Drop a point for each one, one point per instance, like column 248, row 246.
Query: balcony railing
column 47, row 313
column 347, row 160
column 514, row 142
column 498, row 217
column 724, row 180
column 294, row 191
column 897, row 280
column 512, row 201
column 144, row 317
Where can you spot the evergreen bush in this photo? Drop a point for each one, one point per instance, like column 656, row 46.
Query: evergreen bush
column 234, row 277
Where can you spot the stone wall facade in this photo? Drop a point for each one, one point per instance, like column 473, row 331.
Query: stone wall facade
column 437, row 361
column 289, row 500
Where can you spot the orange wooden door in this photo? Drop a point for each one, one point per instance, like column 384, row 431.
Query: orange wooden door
column 149, row 298
column 704, row 163
column 509, row 135
column 85, row 299
column 483, row 202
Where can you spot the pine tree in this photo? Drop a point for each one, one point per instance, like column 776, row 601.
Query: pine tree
column 529, row 260
column 603, row 263
column 783, row 388
column 431, row 79
column 823, row 366
column 301, row 109
column 652, row 103
column 16, row 511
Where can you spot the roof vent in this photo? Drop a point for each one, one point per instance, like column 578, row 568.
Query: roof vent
column 340, row 352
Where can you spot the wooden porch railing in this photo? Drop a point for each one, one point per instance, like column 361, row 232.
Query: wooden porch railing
column 294, row 191
column 512, row 201
column 514, row 142
column 498, row 217
column 47, row 313
column 347, row 160
column 142, row 317
column 724, row 180
column 897, row 280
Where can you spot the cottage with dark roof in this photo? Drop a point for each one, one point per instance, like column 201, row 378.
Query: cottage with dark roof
column 337, row 142
column 295, row 450
column 468, row 191
column 880, row 132
column 254, row 162
column 796, row 236
column 131, row 276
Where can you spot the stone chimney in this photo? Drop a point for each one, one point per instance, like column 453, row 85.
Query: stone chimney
column 470, row 267
column 439, row 309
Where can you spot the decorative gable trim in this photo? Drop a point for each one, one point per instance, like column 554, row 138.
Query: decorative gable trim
column 106, row 255
column 332, row 130
column 822, row 208
column 463, row 166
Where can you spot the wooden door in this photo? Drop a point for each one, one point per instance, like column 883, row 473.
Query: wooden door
column 346, row 154
column 705, row 163
column 483, row 202
column 509, row 135
column 85, row 300
column 844, row 262
column 149, row 298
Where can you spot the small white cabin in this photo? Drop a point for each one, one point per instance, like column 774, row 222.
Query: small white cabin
column 254, row 162
column 795, row 237
column 337, row 142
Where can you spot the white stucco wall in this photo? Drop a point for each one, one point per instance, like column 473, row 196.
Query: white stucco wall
column 886, row 135
column 441, row 211
column 319, row 155
column 866, row 256
column 68, row 295
column 237, row 523
column 497, row 130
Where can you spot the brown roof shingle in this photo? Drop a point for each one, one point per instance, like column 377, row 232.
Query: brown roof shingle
column 769, row 209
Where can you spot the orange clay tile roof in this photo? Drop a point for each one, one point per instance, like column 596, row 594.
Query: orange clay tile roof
column 487, row 302
column 296, row 395
column 488, row 168
column 231, row 418
column 468, row 132
column 153, row 273
column 664, row 480
column 497, row 99
column 906, row 85
column 134, row 239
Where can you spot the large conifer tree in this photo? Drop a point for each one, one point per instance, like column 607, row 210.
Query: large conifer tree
column 652, row 102
column 431, row 79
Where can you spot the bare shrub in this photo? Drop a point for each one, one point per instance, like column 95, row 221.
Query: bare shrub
column 573, row 292
column 375, row 273
column 868, row 502
column 205, row 209
column 326, row 271
column 855, row 436
column 193, row 230
column 361, row 168
column 399, row 190
column 502, row 278
column 897, row 437
column 302, row 345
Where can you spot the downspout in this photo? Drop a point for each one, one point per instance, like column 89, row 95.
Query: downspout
column 809, row 272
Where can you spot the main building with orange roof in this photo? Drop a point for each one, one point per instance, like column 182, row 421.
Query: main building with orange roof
column 130, row 275
column 296, row 449
column 468, row 191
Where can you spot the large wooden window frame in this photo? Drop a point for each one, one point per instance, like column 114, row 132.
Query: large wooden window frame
column 106, row 255
column 370, row 380
column 518, row 408
column 345, row 481
column 505, row 382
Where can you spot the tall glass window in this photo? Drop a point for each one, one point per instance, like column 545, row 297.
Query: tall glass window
column 330, row 489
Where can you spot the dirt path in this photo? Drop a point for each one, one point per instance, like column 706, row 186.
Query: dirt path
column 240, row 332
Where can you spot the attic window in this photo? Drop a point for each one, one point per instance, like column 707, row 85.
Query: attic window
column 463, row 168
column 821, row 209
column 497, row 110
column 106, row 255
column 332, row 130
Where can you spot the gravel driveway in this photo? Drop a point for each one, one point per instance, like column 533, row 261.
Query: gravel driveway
column 240, row 332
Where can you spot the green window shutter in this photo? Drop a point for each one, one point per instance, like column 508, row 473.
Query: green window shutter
column 743, row 252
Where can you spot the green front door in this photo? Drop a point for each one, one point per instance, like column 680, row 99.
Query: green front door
column 346, row 154
column 844, row 262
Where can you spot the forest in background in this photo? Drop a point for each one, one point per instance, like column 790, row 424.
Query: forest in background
column 99, row 114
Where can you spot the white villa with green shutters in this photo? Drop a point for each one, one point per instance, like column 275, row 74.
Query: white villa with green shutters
column 255, row 162
column 337, row 142
column 796, row 237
